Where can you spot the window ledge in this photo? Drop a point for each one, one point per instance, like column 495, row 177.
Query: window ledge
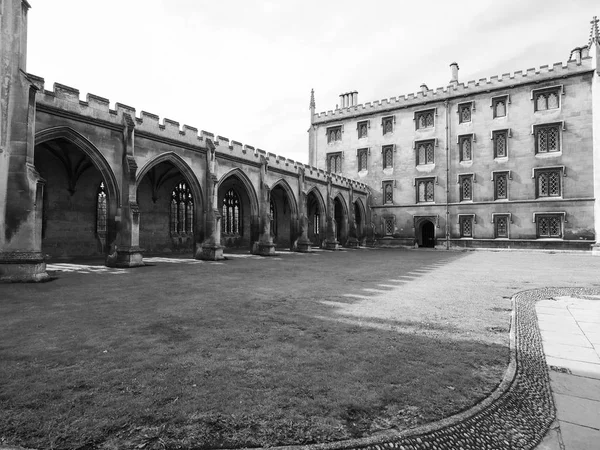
column 468, row 163
column 549, row 199
column 425, row 167
column 501, row 159
column 548, row 154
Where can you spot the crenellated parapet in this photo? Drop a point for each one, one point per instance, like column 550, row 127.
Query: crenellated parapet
column 505, row 81
column 65, row 101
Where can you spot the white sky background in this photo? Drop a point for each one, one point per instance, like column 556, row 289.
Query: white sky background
column 244, row 68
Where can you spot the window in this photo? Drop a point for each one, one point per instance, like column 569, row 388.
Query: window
column 424, row 119
column 316, row 223
column 464, row 112
column 363, row 158
column 334, row 134
column 465, row 145
column 334, row 162
column 388, row 226
column 388, row 156
column 547, row 99
column 232, row 214
column 182, row 209
column 548, row 183
column 549, row 225
column 501, row 226
column 500, row 185
column 466, row 187
column 387, row 124
column 466, row 226
column 425, row 191
column 273, row 212
column 101, row 210
column 388, row 192
column 499, row 106
column 425, row 152
column 363, row 129
column 547, row 138
column 500, row 141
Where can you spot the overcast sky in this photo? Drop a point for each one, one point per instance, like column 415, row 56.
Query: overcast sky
column 244, row 69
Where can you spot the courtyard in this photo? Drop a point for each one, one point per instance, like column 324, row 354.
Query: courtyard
column 252, row 351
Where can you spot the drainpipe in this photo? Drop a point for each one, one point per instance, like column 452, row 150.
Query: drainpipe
column 447, row 105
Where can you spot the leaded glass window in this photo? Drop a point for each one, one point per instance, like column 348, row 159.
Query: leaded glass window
column 549, row 226
column 465, row 144
column 425, row 152
column 500, row 139
column 388, row 224
column 466, row 226
column 101, row 210
column 231, row 214
column 388, row 192
column 466, row 187
column 362, row 159
column 424, row 119
column 334, row 162
column 388, row 156
column 499, row 107
column 316, row 223
column 182, row 209
column 425, row 192
column 388, row 125
column 547, row 138
column 334, row 134
column 464, row 113
column 501, row 226
column 548, row 183
column 500, row 186
column 363, row 129
column 549, row 99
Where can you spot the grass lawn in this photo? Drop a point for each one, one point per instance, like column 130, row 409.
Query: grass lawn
column 250, row 351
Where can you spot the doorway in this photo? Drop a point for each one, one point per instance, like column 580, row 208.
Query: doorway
column 428, row 234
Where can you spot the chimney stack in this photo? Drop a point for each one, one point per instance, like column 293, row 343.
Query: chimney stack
column 454, row 68
column 424, row 88
column 576, row 55
column 348, row 99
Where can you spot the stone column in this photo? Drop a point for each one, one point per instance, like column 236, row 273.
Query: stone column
column 352, row 231
column 128, row 252
column 211, row 249
column 21, row 187
column 303, row 245
column 264, row 246
column 331, row 242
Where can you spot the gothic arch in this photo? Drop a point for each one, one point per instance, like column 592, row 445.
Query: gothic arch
column 69, row 134
column 322, row 206
column 342, row 200
column 183, row 167
column 290, row 194
column 250, row 190
column 361, row 206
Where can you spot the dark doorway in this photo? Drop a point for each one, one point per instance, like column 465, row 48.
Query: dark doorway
column 428, row 235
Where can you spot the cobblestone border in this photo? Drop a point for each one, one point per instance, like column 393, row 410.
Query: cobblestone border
column 516, row 415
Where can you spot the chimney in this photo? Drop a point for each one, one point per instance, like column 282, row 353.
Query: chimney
column 348, row 99
column 341, row 101
column 424, row 88
column 454, row 69
column 355, row 98
column 576, row 55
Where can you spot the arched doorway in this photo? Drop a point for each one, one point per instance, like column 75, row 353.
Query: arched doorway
column 239, row 216
column 427, row 234
column 340, row 216
column 283, row 214
column 80, row 197
column 359, row 220
column 169, row 208
column 316, row 217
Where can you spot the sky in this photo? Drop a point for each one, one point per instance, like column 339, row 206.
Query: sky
column 244, row 69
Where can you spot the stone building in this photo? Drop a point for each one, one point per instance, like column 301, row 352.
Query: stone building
column 510, row 161
column 81, row 179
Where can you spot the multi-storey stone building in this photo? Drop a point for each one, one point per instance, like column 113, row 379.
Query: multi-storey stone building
column 510, row 161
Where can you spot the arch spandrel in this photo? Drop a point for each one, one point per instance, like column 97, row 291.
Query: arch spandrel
column 289, row 192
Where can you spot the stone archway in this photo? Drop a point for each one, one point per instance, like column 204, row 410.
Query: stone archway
column 284, row 215
column 341, row 219
column 360, row 218
column 426, row 234
column 80, row 198
column 316, row 213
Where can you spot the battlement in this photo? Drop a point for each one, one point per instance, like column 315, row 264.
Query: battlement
column 472, row 87
column 65, row 100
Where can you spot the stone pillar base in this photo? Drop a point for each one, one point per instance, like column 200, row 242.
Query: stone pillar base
column 596, row 250
column 126, row 257
column 22, row 267
column 264, row 249
column 304, row 247
column 332, row 245
column 352, row 243
column 210, row 252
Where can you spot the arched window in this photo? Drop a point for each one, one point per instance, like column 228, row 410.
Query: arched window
column 317, row 223
column 273, row 212
column 182, row 209
column 101, row 210
column 232, row 213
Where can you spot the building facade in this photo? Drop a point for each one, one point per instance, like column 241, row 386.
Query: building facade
column 507, row 162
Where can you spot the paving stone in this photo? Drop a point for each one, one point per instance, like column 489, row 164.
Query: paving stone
column 545, row 311
column 575, row 386
column 576, row 437
column 571, row 352
column 575, row 339
column 577, row 410
column 576, row 367
column 589, row 327
column 552, row 439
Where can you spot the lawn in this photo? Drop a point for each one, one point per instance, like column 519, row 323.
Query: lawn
column 247, row 352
